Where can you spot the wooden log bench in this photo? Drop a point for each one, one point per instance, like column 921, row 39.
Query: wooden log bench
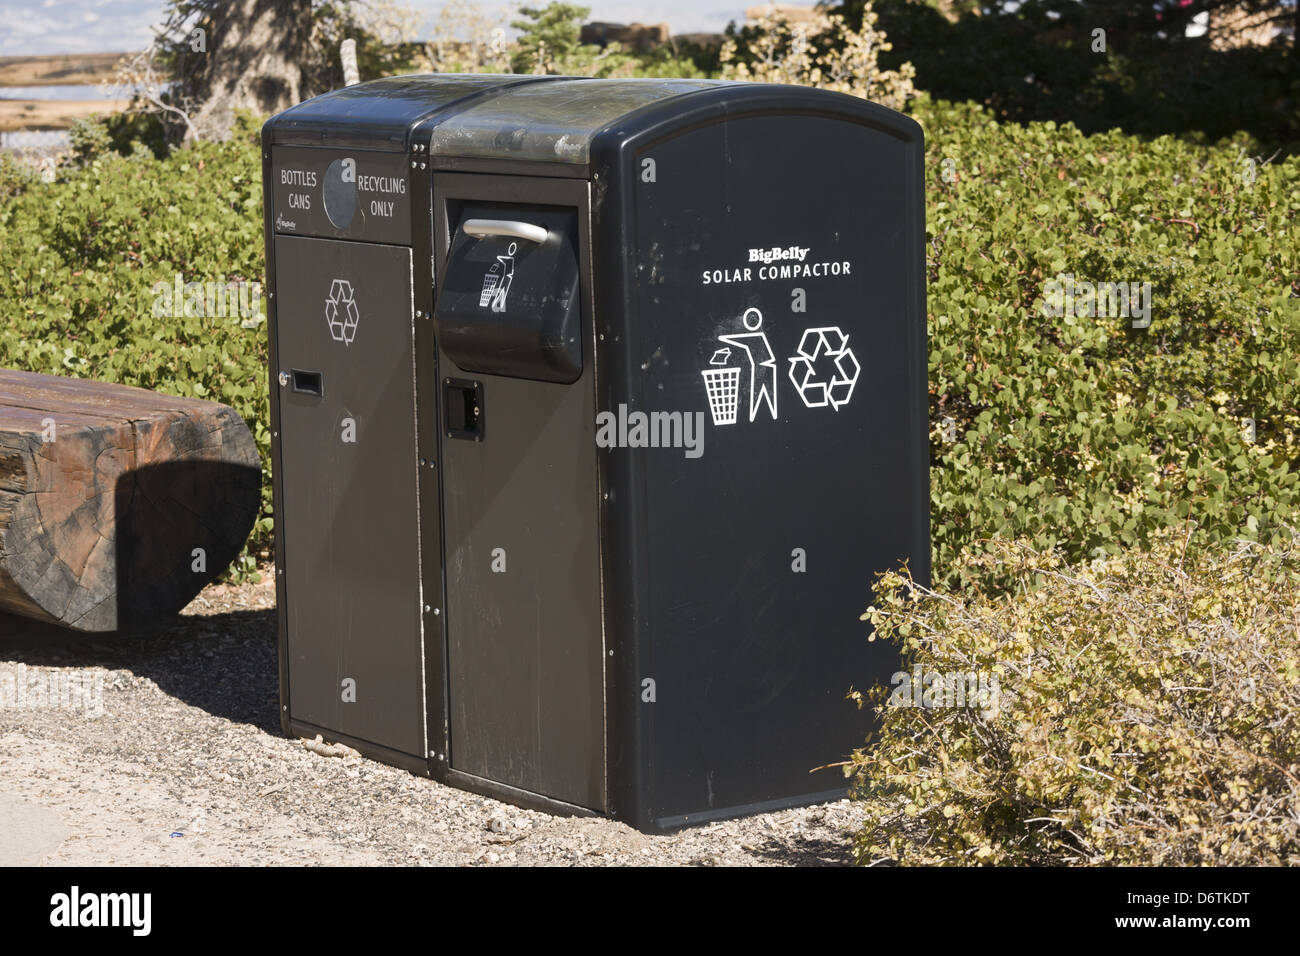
column 117, row 504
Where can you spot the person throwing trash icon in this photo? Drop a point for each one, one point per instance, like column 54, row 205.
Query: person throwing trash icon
column 496, row 283
column 762, row 362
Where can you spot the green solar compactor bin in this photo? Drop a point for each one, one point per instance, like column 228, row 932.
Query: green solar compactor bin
column 597, row 406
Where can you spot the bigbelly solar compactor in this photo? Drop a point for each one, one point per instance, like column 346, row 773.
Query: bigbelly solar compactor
column 596, row 407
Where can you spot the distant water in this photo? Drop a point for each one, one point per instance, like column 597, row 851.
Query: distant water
column 35, row 139
column 79, row 91
column 54, row 139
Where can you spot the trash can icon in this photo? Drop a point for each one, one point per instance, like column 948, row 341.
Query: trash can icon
column 490, row 282
column 723, row 386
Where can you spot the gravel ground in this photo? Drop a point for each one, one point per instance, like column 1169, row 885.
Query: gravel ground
column 187, row 765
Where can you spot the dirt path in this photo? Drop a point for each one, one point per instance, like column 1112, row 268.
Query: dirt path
column 186, row 764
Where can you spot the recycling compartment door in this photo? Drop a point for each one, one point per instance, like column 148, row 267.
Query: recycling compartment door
column 349, row 494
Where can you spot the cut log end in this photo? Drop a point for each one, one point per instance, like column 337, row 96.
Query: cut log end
column 117, row 505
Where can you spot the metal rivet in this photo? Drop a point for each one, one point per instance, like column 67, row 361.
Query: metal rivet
column 437, row 611
column 283, row 379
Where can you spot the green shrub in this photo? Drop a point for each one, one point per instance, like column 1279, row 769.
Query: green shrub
column 80, row 258
column 124, row 133
column 1087, row 434
column 89, row 139
column 1143, row 710
column 15, row 177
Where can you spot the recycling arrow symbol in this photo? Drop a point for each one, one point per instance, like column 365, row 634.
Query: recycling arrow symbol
column 824, row 368
column 341, row 312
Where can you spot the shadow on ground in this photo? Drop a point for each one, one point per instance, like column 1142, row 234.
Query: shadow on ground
column 225, row 664
column 805, row 851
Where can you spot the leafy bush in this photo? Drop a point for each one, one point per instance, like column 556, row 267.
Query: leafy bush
column 123, row 133
column 822, row 52
column 1087, row 434
column 1143, row 711
column 15, row 177
column 89, row 138
column 80, row 258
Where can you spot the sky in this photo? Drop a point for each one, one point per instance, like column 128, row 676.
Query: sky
column 111, row 26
